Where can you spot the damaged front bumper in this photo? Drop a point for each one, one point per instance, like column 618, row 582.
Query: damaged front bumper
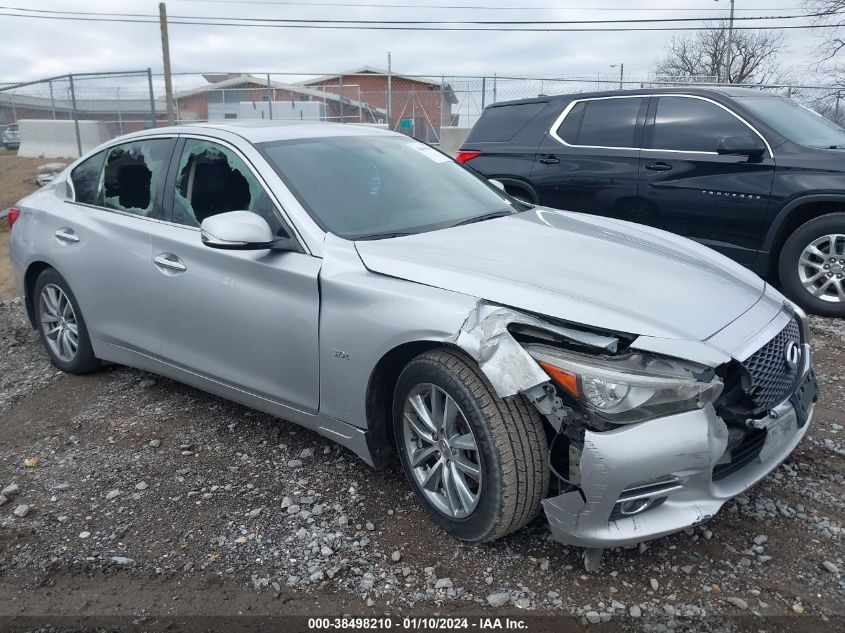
column 640, row 481
column 669, row 473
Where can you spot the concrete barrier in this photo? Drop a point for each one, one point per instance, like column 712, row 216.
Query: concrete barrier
column 45, row 138
column 451, row 138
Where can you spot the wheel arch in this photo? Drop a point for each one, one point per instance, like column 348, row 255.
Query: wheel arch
column 379, row 398
column 32, row 272
column 792, row 216
column 514, row 184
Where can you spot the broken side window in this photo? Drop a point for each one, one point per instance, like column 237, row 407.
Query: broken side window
column 132, row 175
column 212, row 179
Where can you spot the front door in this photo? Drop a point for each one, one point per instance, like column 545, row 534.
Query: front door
column 248, row 319
column 687, row 188
column 589, row 162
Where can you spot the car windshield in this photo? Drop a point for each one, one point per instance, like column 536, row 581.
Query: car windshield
column 797, row 123
column 367, row 187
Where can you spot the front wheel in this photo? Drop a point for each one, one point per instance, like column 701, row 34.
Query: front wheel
column 477, row 463
column 812, row 265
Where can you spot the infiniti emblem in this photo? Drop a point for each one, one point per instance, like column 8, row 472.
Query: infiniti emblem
column 792, row 354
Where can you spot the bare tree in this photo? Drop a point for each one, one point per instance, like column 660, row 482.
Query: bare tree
column 831, row 13
column 831, row 107
column 695, row 54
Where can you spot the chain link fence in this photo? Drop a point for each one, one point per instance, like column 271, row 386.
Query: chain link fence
column 65, row 116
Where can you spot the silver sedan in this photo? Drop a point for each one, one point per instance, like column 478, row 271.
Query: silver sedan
column 515, row 359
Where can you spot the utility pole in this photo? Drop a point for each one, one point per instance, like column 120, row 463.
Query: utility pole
column 727, row 57
column 165, row 52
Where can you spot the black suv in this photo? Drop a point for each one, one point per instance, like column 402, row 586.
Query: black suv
column 755, row 176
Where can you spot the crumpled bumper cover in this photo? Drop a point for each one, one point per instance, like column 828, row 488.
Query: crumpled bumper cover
column 686, row 446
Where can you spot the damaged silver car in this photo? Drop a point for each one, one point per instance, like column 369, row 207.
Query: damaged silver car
column 517, row 359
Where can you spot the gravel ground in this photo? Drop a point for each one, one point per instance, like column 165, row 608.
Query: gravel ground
column 132, row 495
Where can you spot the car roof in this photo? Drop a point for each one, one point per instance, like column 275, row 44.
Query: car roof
column 262, row 131
column 707, row 91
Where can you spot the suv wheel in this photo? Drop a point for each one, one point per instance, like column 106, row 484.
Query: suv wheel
column 61, row 325
column 812, row 265
column 477, row 463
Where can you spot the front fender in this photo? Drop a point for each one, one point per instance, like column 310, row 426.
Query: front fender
column 789, row 208
column 363, row 316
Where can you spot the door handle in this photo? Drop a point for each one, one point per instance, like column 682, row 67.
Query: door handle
column 67, row 235
column 660, row 166
column 170, row 262
column 550, row 160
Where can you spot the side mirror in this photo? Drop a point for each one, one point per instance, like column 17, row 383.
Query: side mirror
column 497, row 183
column 241, row 231
column 740, row 145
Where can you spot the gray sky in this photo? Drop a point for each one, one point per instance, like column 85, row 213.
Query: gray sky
column 34, row 48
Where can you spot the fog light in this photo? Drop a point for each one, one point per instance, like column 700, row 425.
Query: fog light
column 645, row 495
column 635, row 506
column 632, row 507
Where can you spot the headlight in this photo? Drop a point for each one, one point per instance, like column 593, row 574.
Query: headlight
column 629, row 388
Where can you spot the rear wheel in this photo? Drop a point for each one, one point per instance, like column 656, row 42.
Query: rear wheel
column 812, row 265
column 477, row 463
column 61, row 325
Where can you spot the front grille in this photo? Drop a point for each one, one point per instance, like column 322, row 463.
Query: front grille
column 742, row 454
column 770, row 378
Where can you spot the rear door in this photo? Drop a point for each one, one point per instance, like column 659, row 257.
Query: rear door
column 101, row 240
column 589, row 159
column 688, row 188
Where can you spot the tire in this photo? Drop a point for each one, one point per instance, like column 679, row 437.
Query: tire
column 511, row 451
column 62, row 311
column 794, row 263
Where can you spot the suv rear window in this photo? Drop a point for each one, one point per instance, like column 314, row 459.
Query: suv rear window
column 609, row 122
column 501, row 123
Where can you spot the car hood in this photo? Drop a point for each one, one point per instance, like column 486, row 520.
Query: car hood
column 604, row 273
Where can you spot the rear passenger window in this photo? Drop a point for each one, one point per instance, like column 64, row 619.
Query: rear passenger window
column 86, row 178
column 693, row 125
column 132, row 175
column 610, row 122
column 501, row 123
column 568, row 129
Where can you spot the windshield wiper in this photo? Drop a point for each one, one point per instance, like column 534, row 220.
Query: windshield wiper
column 486, row 216
column 836, row 147
column 382, row 236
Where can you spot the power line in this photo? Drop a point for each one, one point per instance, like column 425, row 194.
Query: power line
column 375, row 26
column 173, row 18
column 465, row 7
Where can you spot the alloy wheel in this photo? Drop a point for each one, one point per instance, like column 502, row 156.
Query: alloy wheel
column 58, row 322
column 821, row 268
column 442, row 451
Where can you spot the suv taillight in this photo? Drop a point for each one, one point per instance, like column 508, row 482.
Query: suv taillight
column 467, row 155
column 13, row 216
